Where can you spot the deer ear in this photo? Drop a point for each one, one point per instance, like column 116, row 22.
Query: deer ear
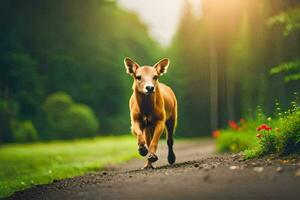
column 162, row 66
column 130, row 66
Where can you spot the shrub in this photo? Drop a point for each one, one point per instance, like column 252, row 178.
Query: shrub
column 281, row 138
column 66, row 119
column 232, row 141
column 56, row 104
column 79, row 121
column 289, row 136
column 267, row 139
column 24, row 131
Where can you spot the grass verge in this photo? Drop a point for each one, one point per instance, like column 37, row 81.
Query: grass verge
column 25, row 165
column 262, row 135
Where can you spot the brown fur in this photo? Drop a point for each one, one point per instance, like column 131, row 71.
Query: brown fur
column 152, row 113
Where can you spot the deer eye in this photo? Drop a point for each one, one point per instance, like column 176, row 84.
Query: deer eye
column 138, row 78
column 155, row 77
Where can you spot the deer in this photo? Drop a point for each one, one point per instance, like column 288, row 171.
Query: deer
column 153, row 109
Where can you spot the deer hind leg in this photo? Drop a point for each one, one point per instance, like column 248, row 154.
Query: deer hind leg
column 170, row 124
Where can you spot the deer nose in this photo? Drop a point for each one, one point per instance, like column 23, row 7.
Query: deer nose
column 149, row 88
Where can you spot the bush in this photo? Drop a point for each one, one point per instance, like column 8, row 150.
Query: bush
column 267, row 140
column 67, row 119
column 24, row 131
column 268, row 143
column 231, row 141
column 56, row 104
column 79, row 121
column 289, row 136
column 282, row 137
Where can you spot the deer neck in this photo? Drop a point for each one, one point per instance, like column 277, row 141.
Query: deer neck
column 145, row 102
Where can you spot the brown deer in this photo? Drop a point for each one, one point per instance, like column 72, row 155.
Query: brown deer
column 153, row 109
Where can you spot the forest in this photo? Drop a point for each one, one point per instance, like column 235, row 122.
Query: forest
column 56, row 53
column 238, row 56
column 62, row 74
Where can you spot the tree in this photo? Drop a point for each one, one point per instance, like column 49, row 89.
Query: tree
column 222, row 60
column 66, row 119
column 72, row 46
column 290, row 20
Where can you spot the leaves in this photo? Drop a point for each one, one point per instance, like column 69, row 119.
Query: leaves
column 292, row 67
column 289, row 19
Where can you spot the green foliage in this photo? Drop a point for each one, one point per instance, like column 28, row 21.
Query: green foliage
column 231, row 141
column 289, row 19
column 5, row 122
column 268, row 142
column 79, row 121
column 67, row 119
column 25, row 165
column 253, row 152
column 289, row 137
column 78, row 48
column 293, row 67
column 284, row 67
column 281, row 136
column 56, row 104
column 19, row 80
column 24, row 131
column 222, row 59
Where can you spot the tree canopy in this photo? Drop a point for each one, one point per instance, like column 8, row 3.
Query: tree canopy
column 72, row 46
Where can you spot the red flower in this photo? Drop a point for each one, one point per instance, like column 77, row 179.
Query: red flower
column 216, row 133
column 264, row 127
column 259, row 135
column 242, row 120
column 232, row 124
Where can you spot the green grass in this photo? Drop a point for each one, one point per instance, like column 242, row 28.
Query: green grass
column 25, row 165
column 232, row 141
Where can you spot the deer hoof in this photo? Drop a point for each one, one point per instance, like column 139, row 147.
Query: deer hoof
column 143, row 151
column 152, row 157
column 148, row 166
column 171, row 157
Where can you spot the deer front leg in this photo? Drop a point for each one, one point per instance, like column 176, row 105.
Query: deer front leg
column 147, row 135
column 136, row 130
column 154, row 142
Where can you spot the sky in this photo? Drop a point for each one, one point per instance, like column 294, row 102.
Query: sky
column 161, row 16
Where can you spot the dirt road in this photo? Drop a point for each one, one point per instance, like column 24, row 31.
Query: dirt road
column 199, row 174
